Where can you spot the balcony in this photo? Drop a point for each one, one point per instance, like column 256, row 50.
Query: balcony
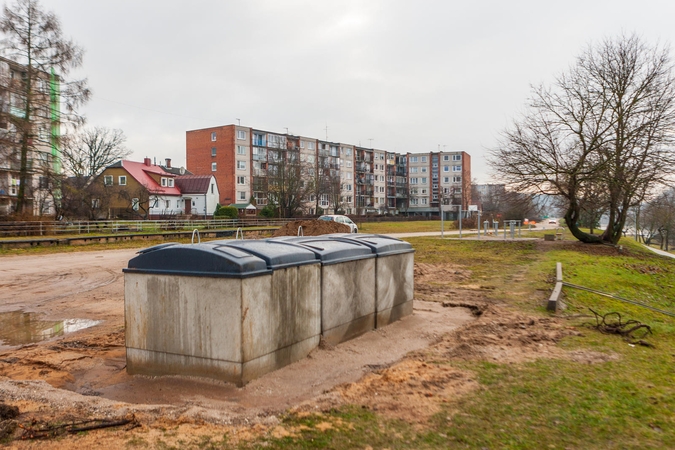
column 362, row 167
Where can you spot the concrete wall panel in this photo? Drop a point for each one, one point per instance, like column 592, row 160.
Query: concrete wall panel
column 395, row 283
column 347, row 296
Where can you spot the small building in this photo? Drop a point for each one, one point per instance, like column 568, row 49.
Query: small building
column 200, row 194
column 245, row 209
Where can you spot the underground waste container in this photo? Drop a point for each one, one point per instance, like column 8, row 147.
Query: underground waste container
column 217, row 311
column 394, row 275
column 347, row 286
column 288, row 327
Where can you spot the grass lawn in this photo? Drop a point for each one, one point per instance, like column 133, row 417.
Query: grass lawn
column 627, row 401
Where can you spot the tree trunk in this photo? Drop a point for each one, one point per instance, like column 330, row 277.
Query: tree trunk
column 571, row 218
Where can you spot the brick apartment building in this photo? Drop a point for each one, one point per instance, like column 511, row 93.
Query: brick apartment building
column 354, row 179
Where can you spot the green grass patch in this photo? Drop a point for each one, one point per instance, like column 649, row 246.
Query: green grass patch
column 403, row 227
column 624, row 402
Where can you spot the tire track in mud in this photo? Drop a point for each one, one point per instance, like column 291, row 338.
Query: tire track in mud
column 41, row 288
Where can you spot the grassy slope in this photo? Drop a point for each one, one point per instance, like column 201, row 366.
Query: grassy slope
column 626, row 403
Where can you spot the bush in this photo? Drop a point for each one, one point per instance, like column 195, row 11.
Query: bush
column 269, row 212
column 229, row 212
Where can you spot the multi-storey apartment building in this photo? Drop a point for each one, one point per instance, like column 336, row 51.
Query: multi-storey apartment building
column 42, row 158
column 253, row 164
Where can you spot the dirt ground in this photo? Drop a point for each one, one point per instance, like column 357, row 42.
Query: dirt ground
column 81, row 375
column 311, row 228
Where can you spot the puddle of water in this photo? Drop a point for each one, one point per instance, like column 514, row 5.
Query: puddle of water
column 19, row 328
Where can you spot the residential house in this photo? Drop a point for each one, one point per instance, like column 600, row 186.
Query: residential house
column 200, row 194
column 140, row 190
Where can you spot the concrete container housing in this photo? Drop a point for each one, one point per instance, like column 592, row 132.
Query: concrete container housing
column 394, row 275
column 347, row 286
column 219, row 311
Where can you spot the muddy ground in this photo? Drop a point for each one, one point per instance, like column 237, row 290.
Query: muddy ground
column 81, row 375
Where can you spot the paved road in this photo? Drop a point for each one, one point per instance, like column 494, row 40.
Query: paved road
column 660, row 252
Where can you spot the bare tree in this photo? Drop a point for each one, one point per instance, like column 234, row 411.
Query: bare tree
column 605, row 126
column 33, row 38
column 287, row 190
column 657, row 219
column 87, row 153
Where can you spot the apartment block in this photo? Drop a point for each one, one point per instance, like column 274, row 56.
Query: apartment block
column 43, row 155
column 250, row 164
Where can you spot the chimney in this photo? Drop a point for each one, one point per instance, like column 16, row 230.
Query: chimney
column 147, row 161
column 168, row 163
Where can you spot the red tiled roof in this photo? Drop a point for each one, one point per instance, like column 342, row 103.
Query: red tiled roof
column 193, row 184
column 140, row 172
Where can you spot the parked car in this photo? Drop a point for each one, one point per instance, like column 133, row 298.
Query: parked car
column 552, row 221
column 341, row 219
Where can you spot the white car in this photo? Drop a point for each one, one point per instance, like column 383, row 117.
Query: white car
column 341, row 219
column 553, row 222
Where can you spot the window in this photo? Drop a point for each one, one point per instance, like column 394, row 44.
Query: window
column 423, row 192
column 456, row 157
column 424, row 159
column 349, row 164
column 242, row 195
column 213, row 136
column 381, row 177
column 241, row 150
column 456, row 179
column 168, row 204
column 134, row 204
column 434, row 176
column 446, row 179
column 241, row 134
column 310, row 145
column 446, row 157
column 213, row 167
column 122, row 180
column 211, row 189
column 170, row 182
column 241, row 180
column 413, row 159
column 413, row 181
column 213, row 151
column 424, row 180
column 424, row 201
column 163, row 182
column 413, row 201
column 241, row 165
column 413, row 170
column 424, row 169
column 434, row 164
column 446, row 168
column 456, row 168
column 108, row 180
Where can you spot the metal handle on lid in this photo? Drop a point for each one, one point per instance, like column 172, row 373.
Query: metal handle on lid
column 199, row 239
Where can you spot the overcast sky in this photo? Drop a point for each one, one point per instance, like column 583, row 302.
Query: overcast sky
column 410, row 75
